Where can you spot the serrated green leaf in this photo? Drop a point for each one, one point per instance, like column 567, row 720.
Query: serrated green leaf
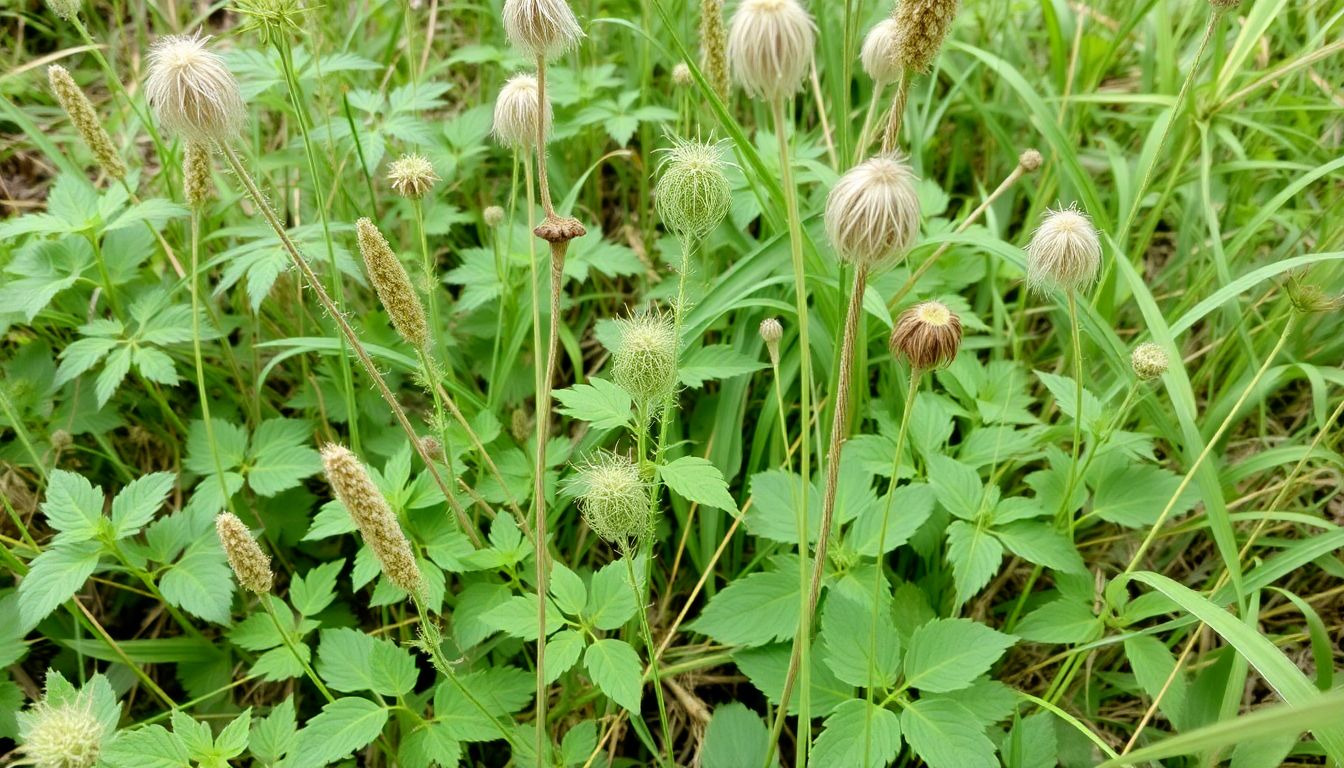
column 696, row 479
column 73, row 506
column 275, row 734
column 562, row 651
column 316, row 589
column 53, row 577
column 975, row 557
column 1041, row 544
column 735, row 738
column 599, row 402
column 517, row 617
column 349, row 660
column 716, row 361
column 342, row 726
column 137, row 503
column 850, row 643
column 752, row 610
column 567, row 589
column 945, row 735
column 948, row 654
column 615, row 668
column 855, row 729
column 201, row 582
column 152, row 746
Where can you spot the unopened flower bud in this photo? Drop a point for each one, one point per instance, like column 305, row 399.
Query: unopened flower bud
column 493, row 216
column 614, row 499
column 645, row 361
column 771, row 333
column 1149, row 361
column 1030, row 160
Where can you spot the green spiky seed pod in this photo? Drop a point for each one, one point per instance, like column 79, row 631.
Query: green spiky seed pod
column 66, row 9
column 645, row 361
column 693, row 194
column 376, row 521
column 1065, row 251
column 393, row 285
column 411, row 176
column 614, row 499
column 713, row 47
column 923, row 26
column 198, row 186
column 1149, row 361
column 250, row 565
column 62, row 732
column 86, row 121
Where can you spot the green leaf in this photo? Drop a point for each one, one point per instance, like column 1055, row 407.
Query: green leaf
column 201, row 582
column 53, row 577
column 152, row 746
column 499, row 690
column 1031, row 743
column 599, row 402
column 136, row 504
column 766, row 667
column 718, row 361
column 907, row 509
column 349, row 660
column 73, row 506
column 567, row 589
column 852, row 643
column 517, row 617
column 230, row 443
column 315, row 590
column 428, row 745
column 855, row 729
column 696, row 479
column 342, row 726
column 615, row 668
column 1041, row 544
column 1063, row 620
column 562, row 651
column 735, row 738
column 957, row 487
column 752, row 610
column 975, row 557
column 611, row 601
column 1064, row 390
column 948, row 654
column 945, row 735
column 274, row 735
column 1133, row 494
column 116, row 367
column 155, row 365
column 1153, row 663
column 281, row 458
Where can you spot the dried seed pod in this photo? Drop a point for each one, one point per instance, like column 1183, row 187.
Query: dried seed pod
column 713, row 47
column 432, row 447
column 770, row 45
column 614, row 498
column 771, row 333
column 197, row 185
column 541, row 28
column 1149, row 361
column 393, row 285
column 928, row 335
column 879, row 52
column 516, row 113
column 86, row 121
column 192, row 91
column 411, row 176
column 1065, row 251
column 872, row 212
column 1030, row 160
column 375, row 520
column 923, row 26
column 250, row 565
column 693, row 194
column 645, row 360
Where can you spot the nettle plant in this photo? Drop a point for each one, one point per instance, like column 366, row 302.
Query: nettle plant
column 619, row 496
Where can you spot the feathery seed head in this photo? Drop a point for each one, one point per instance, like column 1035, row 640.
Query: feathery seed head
column 681, row 75
column 411, row 176
column 376, row 521
column 645, row 361
column 516, row 111
column 872, row 212
column 713, row 47
column 928, row 335
column 879, row 52
column 250, row 565
column 197, row 185
column 66, row 9
column 614, row 498
column 1030, row 160
column 771, row 333
column 923, row 26
column 66, row 734
column 770, row 46
column 693, row 194
column 1149, row 361
column 1064, row 251
column 1308, row 297
column 85, row 120
column 541, row 28
column 493, row 216
column 393, row 285
column 192, row 91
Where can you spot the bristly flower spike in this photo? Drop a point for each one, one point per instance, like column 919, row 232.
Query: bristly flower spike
column 376, row 521
column 392, row 284
column 86, row 121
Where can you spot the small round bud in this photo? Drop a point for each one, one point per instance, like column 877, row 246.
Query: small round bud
column 879, row 52
column 614, row 498
column 516, row 111
column 61, row 440
column 192, row 91
column 541, row 28
column 872, row 212
column 66, row 9
column 1149, row 361
column 432, row 447
column 412, row 176
column 1064, row 251
column 393, row 285
column 928, row 335
column 86, row 121
column 923, row 25
column 770, row 45
column 520, row 425
column 250, row 565
column 1030, row 160
column 493, row 216
column 681, row 75
column 63, row 734
column 771, row 333
column 645, row 361
column 376, row 521
column 197, row 183
column 693, row 194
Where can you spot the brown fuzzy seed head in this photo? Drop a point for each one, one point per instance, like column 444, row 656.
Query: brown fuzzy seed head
column 250, row 565
column 493, row 216
column 198, row 186
column 411, row 176
column 771, row 332
column 516, row 111
column 86, row 121
column 923, row 26
column 879, row 52
column 1149, row 361
column 770, row 44
column 928, row 335
column 541, row 28
column 393, row 285
column 192, row 91
column 375, row 520
column 1065, row 251
column 559, row 229
column 713, row 48
column 872, row 212
column 1030, row 160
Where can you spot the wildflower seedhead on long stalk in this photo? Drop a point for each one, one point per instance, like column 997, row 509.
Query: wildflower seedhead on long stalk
column 1149, row 361
column 250, row 565
column 928, row 335
column 645, row 360
column 614, row 498
column 693, row 194
column 412, row 176
column 85, row 119
column 1065, row 251
column 392, row 284
column 923, row 25
column 192, row 91
column 770, row 45
column 879, row 52
column 541, row 28
column 62, row 734
column 517, row 112
column 376, row 521
column 872, row 212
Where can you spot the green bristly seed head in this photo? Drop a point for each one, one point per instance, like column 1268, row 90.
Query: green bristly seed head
column 693, row 194
column 614, row 498
column 645, row 361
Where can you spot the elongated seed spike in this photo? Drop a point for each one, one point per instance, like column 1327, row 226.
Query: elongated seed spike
column 198, row 185
column 393, row 285
column 250, row 565
column 376, row 521
column 923, row 26
column 85, row 119
column 713, row 47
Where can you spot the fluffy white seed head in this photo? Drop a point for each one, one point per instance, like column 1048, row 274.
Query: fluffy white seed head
column 1149, row 361
column 516, row 111
column 693, row 194
column 879, row 52
column 1065, row 251
column 412, row 176
column 192, row 91
column 872, row 212
column 545, row 28
column 493, row 216
column 770, row 46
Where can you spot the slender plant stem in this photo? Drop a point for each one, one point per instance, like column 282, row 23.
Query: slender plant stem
column 891, row 136
column 431, row 278
column 543, row 182
column 259, row 200
column 628, row 556
column 1074, row 335
column 865, row 133
column 105, row 277
column 431, row 640
column 289, row 645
